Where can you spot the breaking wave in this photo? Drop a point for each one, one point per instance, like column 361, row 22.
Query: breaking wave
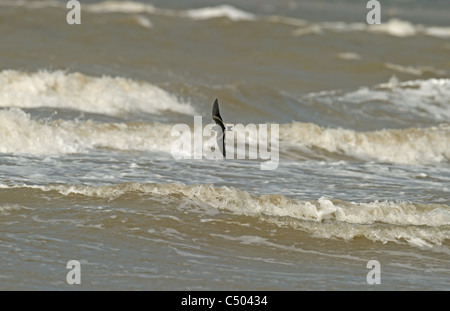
column 23, row 134
column 112, row 96
column 407, row 146
column 421, row 225
column 132, row 7
column 429, row 97
column 227, row 11
column 394, row 27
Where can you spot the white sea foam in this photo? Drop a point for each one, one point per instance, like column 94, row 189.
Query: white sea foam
column 23, row 135
column 227, row 11
column 40, row 4
column 415, row 70
column 430, row 97
column 106, row 95
column 394, row 27
column 131, row 7
column 348, row 56
column 440, row 32
column 119, row 7
column 409, row 146
column 143, row 21
column 421, row 225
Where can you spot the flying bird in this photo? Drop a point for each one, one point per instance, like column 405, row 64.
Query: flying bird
column 220, row 138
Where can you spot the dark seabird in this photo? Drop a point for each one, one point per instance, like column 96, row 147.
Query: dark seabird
column 220, row 138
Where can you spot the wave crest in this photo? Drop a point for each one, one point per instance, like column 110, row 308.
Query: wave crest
column 407, row 146
column 422, row 225
column 22, row 134
column 106, row 95
column 414, row 146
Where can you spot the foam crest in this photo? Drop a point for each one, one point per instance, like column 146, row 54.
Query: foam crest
column 394, row 27
column 119, row 7
column 143, row 21
column 400, row 28
column 104, row 95
column 439, row 32
column 227, row 11
column 422, row 225
column 415, row 70
column 408, row 146
column 22, row 134
column 41, row 4
column 430, row 97
column 131, row 7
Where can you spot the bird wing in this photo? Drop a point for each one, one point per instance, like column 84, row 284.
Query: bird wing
column 220, row 138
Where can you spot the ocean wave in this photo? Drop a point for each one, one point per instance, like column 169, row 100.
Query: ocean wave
column 394, row 27
column 421, row 225
column 400, row 28
column 143, row 21
column 415, row 70
column 40, row 4
column 23, row 135
column 430, row 97
column 227, row 11
column 407, row 146
column 6, row 209
column 113, row 96
column 99, row 7
column 119, row 7
column 132, row 7
column 413, row 146
column 414, row 103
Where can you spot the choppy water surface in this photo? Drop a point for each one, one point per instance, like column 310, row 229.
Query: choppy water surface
column 87, row 170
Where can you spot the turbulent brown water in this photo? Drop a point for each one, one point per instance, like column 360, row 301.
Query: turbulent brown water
column 88, row 171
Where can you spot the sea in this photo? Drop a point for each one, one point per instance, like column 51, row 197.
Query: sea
column 94, row 194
